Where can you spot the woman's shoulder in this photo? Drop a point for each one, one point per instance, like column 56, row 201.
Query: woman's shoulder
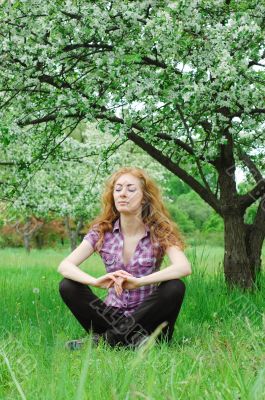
column 95, row 234
column 92, row 235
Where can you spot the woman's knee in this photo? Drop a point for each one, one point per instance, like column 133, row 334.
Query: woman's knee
column 67, row 287
column 174, row 288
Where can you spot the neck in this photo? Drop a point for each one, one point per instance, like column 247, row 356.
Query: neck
column 131, row 225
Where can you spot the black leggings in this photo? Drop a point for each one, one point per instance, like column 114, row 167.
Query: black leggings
column 163, row 304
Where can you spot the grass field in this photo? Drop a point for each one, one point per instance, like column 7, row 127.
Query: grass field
column 218, row 351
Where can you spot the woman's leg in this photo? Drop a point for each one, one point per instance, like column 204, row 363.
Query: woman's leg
column 88, row 309
column 162, row 305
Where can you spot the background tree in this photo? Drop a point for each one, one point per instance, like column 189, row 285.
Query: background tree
column 182, row 80
column 69, row 188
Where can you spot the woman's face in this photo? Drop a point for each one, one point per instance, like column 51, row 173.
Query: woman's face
column 128, row 194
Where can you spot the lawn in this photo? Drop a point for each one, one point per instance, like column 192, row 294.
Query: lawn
column 218, row 349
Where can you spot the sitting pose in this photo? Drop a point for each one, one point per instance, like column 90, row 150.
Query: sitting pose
column 132, row 234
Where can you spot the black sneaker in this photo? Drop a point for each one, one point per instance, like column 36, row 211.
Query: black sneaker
column 141, row 342
column 77, row 344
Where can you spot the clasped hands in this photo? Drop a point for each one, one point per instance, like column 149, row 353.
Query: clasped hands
column 119, row 279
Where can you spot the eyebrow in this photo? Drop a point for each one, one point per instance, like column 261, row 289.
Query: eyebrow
column 129, row 184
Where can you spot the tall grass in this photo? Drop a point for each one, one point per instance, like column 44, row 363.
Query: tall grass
column 217, row 350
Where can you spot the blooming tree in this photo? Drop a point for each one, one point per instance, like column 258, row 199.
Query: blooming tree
column 184, row 80
column 70, row 187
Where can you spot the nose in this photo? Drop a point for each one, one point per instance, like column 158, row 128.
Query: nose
column 123, row 192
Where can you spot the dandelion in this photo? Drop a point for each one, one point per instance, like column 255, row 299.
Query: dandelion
column 36, row 290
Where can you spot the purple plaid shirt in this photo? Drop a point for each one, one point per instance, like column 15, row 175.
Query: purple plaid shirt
column 146, row 259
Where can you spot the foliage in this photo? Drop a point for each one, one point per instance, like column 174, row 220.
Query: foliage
column 213, row 224
column 186, row 76
column 73, row 184
column 174, row 186
column 181, row 218
column 182, row 80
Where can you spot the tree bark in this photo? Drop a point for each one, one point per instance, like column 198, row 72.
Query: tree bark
column 243, row 247
column 238, row 268
column 26, row 240
column 30, row 227
column 254, row 242
column 73, row 233
column 39, row 241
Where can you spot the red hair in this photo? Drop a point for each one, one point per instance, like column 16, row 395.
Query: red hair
column 163, row 230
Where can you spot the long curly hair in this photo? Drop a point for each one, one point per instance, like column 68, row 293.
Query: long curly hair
column 163, row 231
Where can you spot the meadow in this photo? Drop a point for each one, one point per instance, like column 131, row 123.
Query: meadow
column 217, row 352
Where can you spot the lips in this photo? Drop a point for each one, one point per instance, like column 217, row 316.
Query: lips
column 122, row 202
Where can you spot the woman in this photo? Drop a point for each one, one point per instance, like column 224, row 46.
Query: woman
column 132, row 234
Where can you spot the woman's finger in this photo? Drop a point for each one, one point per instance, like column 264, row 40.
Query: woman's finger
column 118, row 289
column 118, row 285
column 119, row 282
column 121, row 272
column 109, row 284
column 112, row 281
column 111, row 276
column 124, row 272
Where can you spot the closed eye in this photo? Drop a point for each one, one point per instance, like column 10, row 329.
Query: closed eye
column 130, row 190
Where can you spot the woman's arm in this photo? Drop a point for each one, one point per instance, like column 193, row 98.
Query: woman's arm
column 179, row 268
column 69, row 266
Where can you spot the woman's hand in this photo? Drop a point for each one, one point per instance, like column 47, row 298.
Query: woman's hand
column 125, row 282
column 108, row 280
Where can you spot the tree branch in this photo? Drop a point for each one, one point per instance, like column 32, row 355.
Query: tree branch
column 102, row 46
column 50, row 79
column 7, row 163
column 48, row 118
column 177, row 170
column 251, row 166
column 75, row 46
column 259, row 221
column 258, row 111
column 150, row 61
column 249, row 198
column 183, row 145
column 197, row 159
column 72, row 15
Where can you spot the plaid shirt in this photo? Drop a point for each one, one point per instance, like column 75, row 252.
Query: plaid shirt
column 146, row 259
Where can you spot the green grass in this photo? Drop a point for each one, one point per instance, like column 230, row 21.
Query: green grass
column 217, row 351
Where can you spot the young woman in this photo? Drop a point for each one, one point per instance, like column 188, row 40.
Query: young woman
column 132, row 234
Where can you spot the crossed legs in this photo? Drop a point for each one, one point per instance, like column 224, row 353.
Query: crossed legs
column 163, row 304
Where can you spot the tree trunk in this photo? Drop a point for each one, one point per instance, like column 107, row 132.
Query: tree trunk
column 26, row 240
column 73, row 233
column 242, row 259
column 254, row 242
column 73, row 239
column 39, row 241
column 28, row 229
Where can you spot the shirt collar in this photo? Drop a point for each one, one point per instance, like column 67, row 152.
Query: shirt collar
column 116, row 226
